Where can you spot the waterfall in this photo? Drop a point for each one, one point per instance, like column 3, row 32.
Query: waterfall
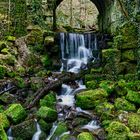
column 76, row 52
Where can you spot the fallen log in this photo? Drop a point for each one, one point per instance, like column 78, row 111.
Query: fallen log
column 62, row 78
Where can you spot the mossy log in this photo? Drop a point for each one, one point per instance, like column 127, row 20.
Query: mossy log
column 62, row 78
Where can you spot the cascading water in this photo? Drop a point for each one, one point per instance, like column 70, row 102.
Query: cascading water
column 76, row 52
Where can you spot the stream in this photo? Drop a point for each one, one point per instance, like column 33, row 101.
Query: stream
column 76, row 53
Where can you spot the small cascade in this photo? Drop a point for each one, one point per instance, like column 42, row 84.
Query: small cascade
column 38, row 132
column 52, row 131
column 91, row 126
column 9, row 134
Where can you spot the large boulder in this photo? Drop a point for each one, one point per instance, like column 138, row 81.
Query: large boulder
column 123, row 104
column 47, row 114
column 24, row 130
column 105, row 110
column 4, row 122
column 117, row 131
column 85, row 136
column 16, row 113
column 134, row 122
column 49, row 100
column 133, row 96
column 91, row 98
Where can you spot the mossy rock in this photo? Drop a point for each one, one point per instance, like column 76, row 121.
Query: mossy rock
column 61, row 128
column 16, row 113
column 4, row 122
column 91, row 98
column 121, row 88
column 111, row 55
column 117, row 131
column 11, row 38
column 128, row 55
column 133, row 96
column 45, row 126
column 7, row 98
column 134, row 122
column 67, row 137
column 36, row 83
column 2, row 71
column 3, row 45
column 85, row 136
column 3, row 135
column 91, row 84
column 47, row 114
column 105, row 110
column 19, row 82
column 49, row 41
column 24, row 130
column 134, row 136
column 138, row 111
column 49, row 100
column 123, row 104
column 107, row 85
column 35, row 37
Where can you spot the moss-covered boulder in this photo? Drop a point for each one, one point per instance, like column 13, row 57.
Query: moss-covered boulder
column 4, row 122
column 45, row 126
column 47, row 114
column 105, row 110
column 133, row 96
column 91, row 84
column 123, row 104
column 117, row 131
column 24, row 130
column 61, row 128
column 3, row 135
column 91, row 98
column 128, row 55
column 49, row 41
column 107, row 85
column 3, row 45
column 35, row 37
column 16, row 113
column 111, row 55
column 85, row 136
column 67, row 137
column 49, row 100
column 134, row 122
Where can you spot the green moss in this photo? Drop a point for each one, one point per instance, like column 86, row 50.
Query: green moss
column 108, row 86
column 128, row 55
column 49, row 100
column 61, row 128
column 11, row 38
column 117, row 131
column 138, row 111
column 91, row 84
column 66, row 137
column 16, row 113
column 20, row 82
column 134, row 122
column 2, row 71
column 122, row 104
column 47, row 114
column 46, row 61
column 5, row 51
column 45, row 126
column 85, row 136
column 133, row 96
column 105, row 110
column 91, row 98
column 3, row 135
column 4, row 121
column 3, row 45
